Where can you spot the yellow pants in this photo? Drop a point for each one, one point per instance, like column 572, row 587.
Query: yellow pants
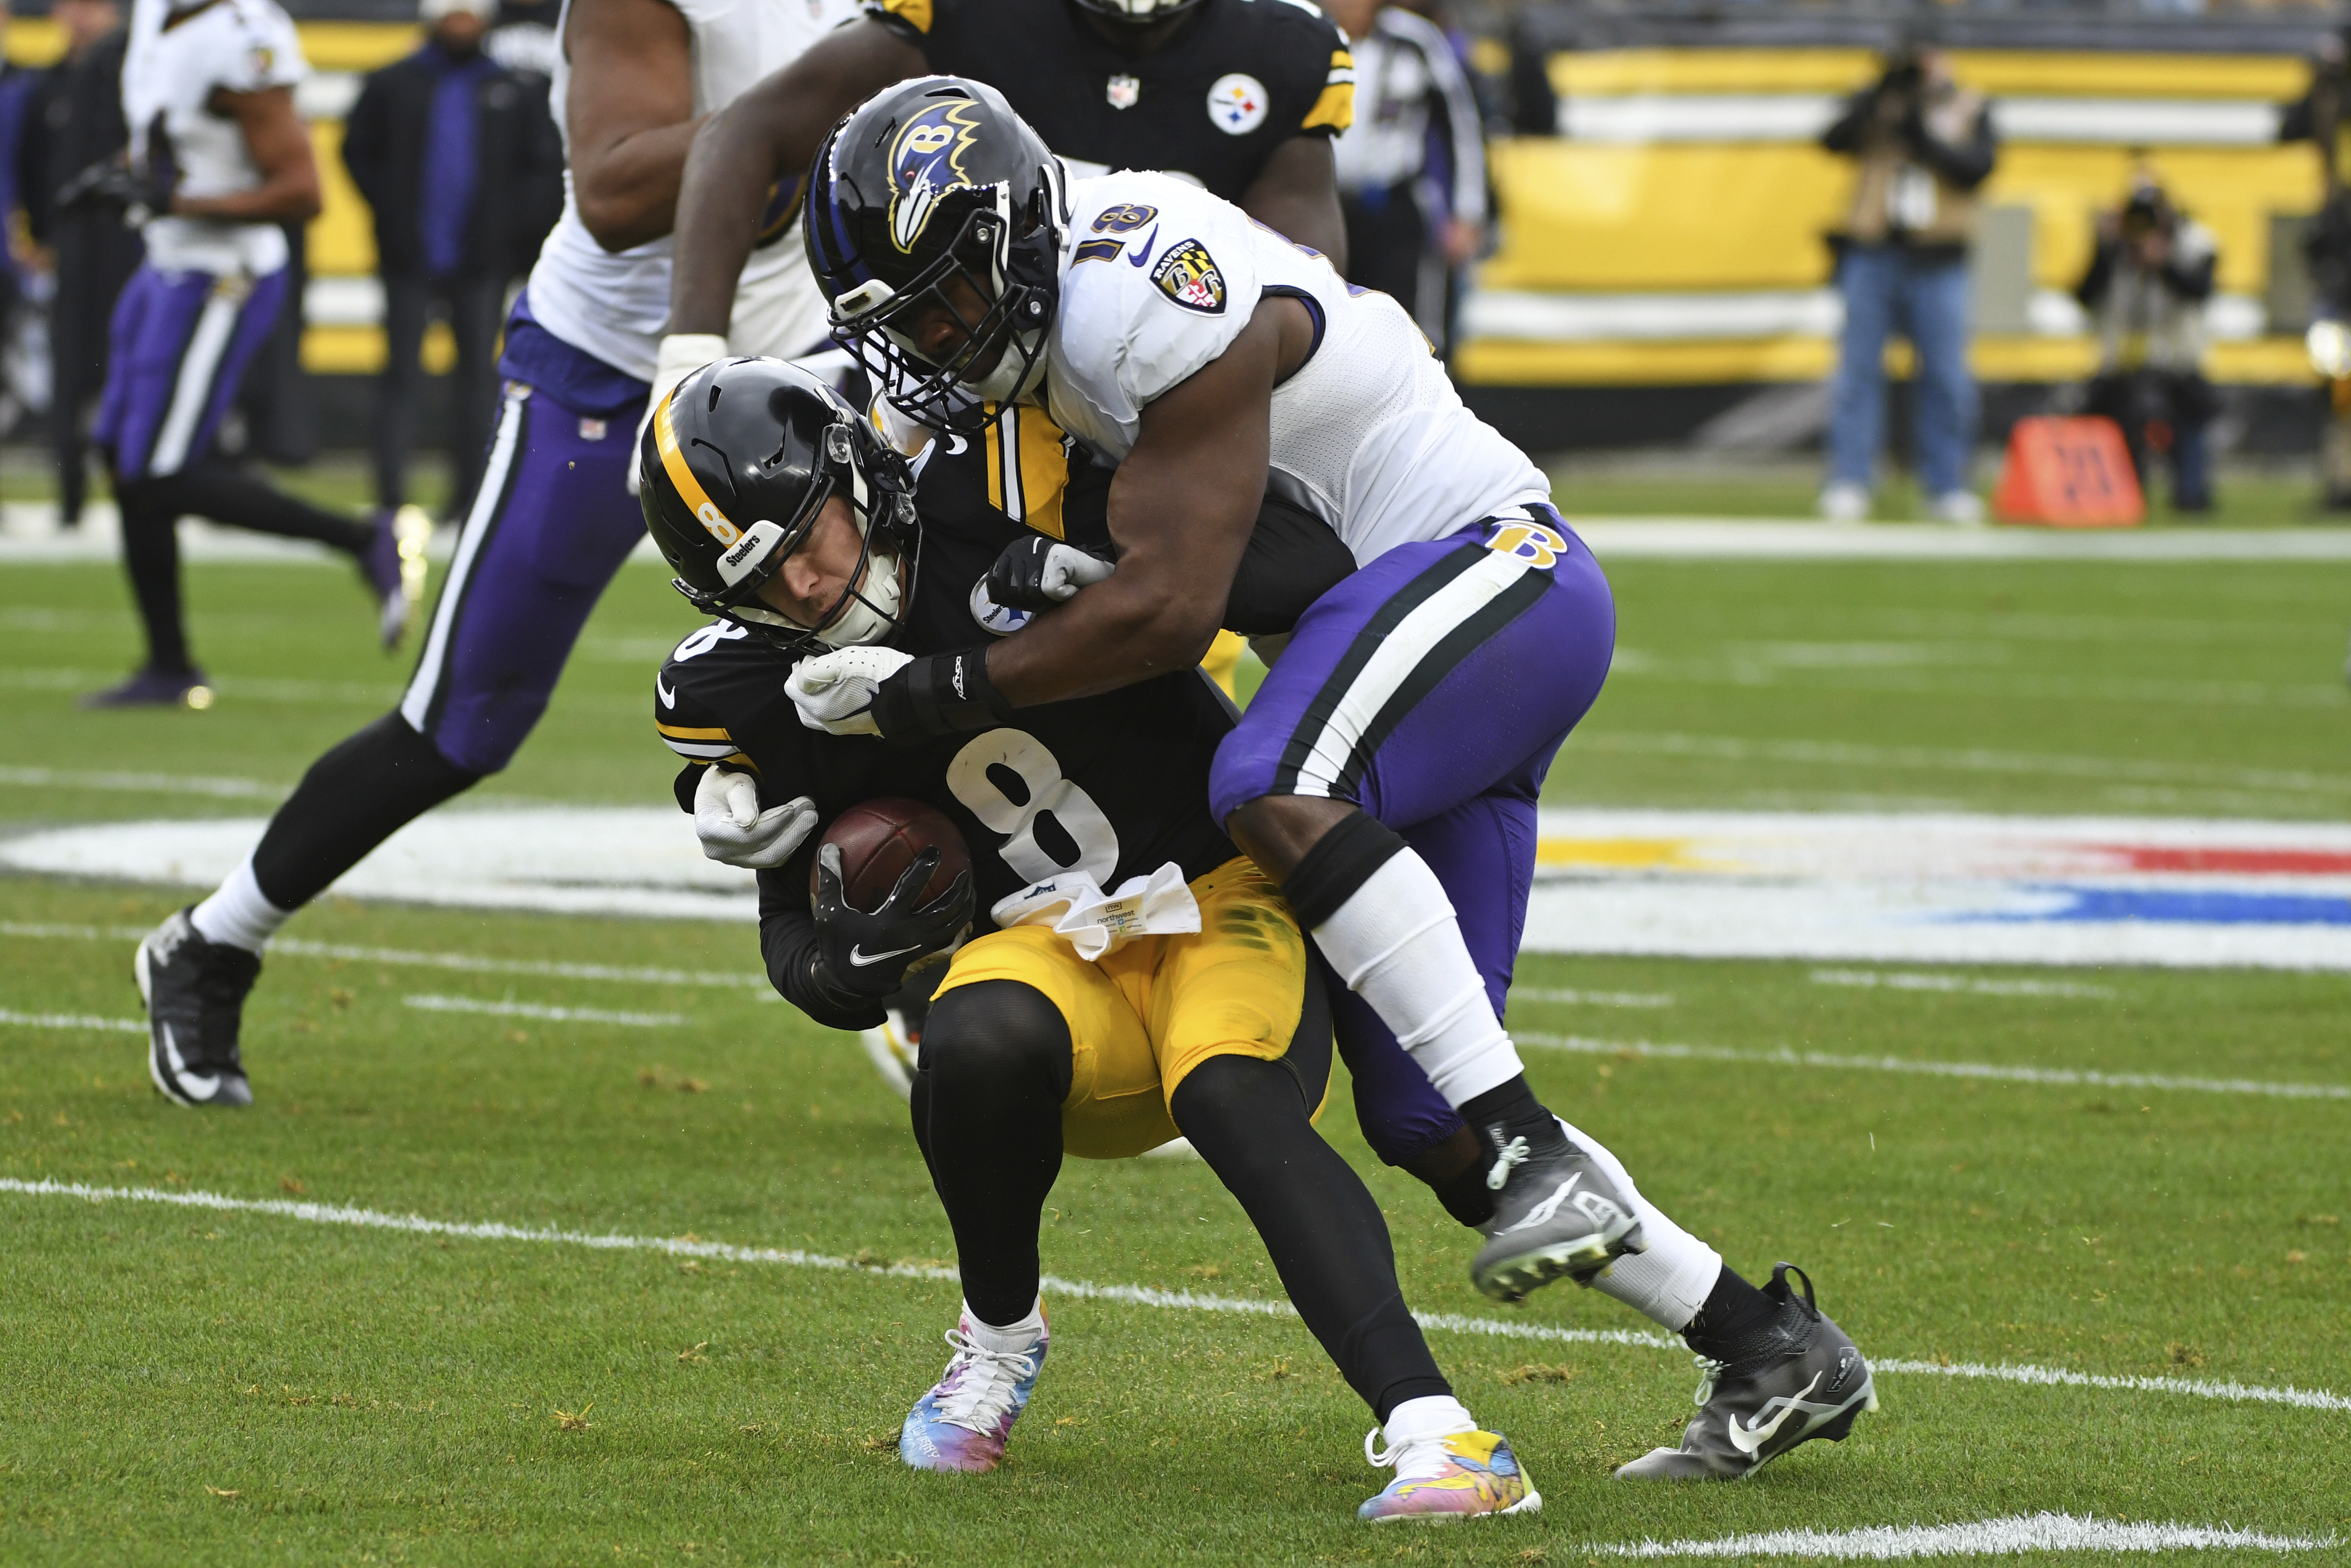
column 1143, row 1017
column 1223, row 662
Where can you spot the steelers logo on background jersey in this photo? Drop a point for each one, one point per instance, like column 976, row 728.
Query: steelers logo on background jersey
column 1188, row 274
column 1239, row 103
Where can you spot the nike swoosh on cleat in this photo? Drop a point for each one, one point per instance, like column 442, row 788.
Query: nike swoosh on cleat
column 1748, row 1440
column 861, row 958
column 199, row 1085
column 1143, row 252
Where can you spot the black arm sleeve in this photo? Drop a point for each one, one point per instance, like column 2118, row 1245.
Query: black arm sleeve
column 1966, row 164
column 1844, row 134
column 1294, row 558
column 2191, row 281
column 2101, row 276
column 787, row 940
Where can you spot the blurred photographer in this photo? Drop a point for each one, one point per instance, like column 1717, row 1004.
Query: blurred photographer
column 1924, row 144
column 2146, row 288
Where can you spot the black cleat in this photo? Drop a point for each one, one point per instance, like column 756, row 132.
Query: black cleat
column 151, row 687
column 1555, row 1213
column 1805, row 1380
column 195, row 991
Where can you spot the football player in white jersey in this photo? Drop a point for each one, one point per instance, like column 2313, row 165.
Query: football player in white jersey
column 217, row 161
column 1387, row 773
column 553, row 518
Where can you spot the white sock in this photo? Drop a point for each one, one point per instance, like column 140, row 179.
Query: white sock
column 1669, row 1282
column 1430, row 1415
column 237, row 914
column 1396, row 945
column 1009, row 1340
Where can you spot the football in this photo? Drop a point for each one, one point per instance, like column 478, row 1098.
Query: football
column 880, row 839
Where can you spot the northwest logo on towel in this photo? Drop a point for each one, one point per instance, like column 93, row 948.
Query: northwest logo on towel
column 1187, row 275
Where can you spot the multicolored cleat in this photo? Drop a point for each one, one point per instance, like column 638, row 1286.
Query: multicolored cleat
column 962, row 1423
column 1456, row 1476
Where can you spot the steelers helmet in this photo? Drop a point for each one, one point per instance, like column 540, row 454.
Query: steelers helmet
column 931, row 181
column 1136, row 12
column 737, row 462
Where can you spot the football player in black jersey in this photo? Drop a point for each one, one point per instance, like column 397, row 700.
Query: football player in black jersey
column 1101, row 1025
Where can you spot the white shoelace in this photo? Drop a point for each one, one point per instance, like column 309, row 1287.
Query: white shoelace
column 1514, row 1152
column 1416, row 1460
column 1708, row 1371
column 979, row 1402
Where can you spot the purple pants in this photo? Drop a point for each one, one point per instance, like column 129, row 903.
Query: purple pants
column 178, row 348
column 550, row 525
column 1432, row 689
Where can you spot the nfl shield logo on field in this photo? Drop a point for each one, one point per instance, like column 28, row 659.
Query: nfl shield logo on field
column 1124, row 91
column 1238, row 103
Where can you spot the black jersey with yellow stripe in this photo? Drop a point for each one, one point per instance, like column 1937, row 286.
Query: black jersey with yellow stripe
column 1115, row 785
column 1240, row 79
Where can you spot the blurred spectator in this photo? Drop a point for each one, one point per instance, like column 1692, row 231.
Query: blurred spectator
column 1924, row 144
column 2146, row 289
column 75, row 120
column 459, row 159
column 1533, row 105
column 2317, row 118
column 16, row 89
column 1411, row 167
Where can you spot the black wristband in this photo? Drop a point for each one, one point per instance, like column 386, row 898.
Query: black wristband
column 940, row 693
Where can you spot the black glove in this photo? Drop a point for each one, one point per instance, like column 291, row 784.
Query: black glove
column 939, row 693
column 1036, row 573
column 111, row 182
column 866, row 957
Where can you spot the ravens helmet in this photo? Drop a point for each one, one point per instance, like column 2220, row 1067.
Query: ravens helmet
column 737, row 464
column 930, row 184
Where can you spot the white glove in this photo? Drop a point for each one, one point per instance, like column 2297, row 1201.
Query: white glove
column 680, row 354
column 834, row 692
column 735, row 832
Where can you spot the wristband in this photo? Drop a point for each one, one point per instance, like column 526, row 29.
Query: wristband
column 940, row 693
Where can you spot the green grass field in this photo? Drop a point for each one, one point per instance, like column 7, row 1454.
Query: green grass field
column 182, row 1384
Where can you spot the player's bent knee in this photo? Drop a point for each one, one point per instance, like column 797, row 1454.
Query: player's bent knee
column 996, row 1031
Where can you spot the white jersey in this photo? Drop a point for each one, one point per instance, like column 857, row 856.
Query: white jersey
column 1159, row 277
column 176, row 60
column 615, row 304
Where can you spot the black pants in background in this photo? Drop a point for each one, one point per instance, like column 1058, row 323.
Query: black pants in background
column 1390, row 248
column 475, row 306
column 96, row 256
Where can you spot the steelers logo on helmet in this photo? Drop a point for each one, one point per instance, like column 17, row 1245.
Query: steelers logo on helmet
column 742, row 465
column 933, row 222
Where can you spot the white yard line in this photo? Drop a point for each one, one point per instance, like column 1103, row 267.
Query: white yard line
column 1719, row 538
column 1592, row 998
column 1901, row 980
column 143, row 783
column 471, row 963
column 73, row 1020
column 1132, row 1295
column 552, row 1015
column 1984, row 1537
column 2058, row 1075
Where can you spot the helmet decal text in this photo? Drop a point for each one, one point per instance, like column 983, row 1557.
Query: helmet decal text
column 689, row 488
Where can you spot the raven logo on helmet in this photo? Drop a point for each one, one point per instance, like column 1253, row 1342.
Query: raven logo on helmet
column 926, row 160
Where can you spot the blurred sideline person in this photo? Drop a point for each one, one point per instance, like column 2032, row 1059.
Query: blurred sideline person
column 218, row 160
column 2317, row 118
column 2146, row 288
column 1924, row 144
column 1411, row 167
column 19, row 87
column 75, row 120
column 461, row 163
column 553, row 518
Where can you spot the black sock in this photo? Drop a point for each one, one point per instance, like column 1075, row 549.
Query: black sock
column 226, row 493
column 1735, row 1319
column 1320, row 1226
column 994, row 1069
column 352, row 799
column 150, row 556
column 1465, row 1196
column 1513, row 1108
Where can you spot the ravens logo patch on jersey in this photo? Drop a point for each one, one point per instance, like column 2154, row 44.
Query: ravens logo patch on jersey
column 1187, row 275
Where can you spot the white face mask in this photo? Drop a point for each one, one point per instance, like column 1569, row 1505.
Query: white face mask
column 872, row 613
